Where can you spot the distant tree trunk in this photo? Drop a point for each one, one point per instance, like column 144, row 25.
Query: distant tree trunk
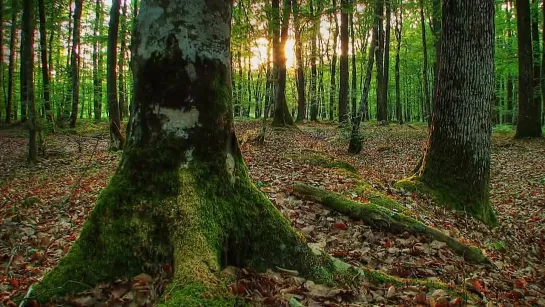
column 123, row 108
column 313, row 68
column 117, row 139
column 332, row 82
column 536, row 54
column 343, row 89
column 282, row 116
column 529, row 119
column 543, row 66
column 354, row 87
column 4, row 99
column 386, row 68
column 74, row 62
column 11, row 64
column 436, row 30
column 301, row 99
column 27, row 65
column 97, row 67
column 379, row 54
column 355, row 144
column 45, row 66
column 427, row 103
column 456, row 162
column 23, row 78
column 398, row 30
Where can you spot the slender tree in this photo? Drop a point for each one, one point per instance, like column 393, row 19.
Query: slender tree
column 97, row 63
column 27, row 60
column 353, row 87
column 426, row 110
column 300, row 71
column 11, row 64
column 313, row 63
column 45, row 65
column 123, row 108
column 332, row 83
column 117, row 139
column 75, row 62
column 343, row 83
column 529, row 119
column 379, row 54
column 386, row 67
column 456, row 164
column 398, row 31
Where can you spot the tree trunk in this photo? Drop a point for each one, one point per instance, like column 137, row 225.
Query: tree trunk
column 456, row 164
column 536, row 54
column 74, row 62
column 117, row 139
column 427, row 101
column 97, row 67
column 123, row 108
column 398, row 30
column 436, row 31
column 182, row 194
column 386, row 68
column 45, row 67
column 4, row 99
column 355, row 144
column 301, row 99
column 27, row 65
column 282, row 116
column 343, row 89
column 354, row 87
column 379, row 54
column 11, row 64
column 313, row 68
column 332, row 82
column 529, row 119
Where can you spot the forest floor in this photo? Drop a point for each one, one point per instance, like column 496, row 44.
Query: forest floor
column 43, row 207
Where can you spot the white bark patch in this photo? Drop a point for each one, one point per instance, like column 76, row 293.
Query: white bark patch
column 230, row 163
column 199, row 30
column 188, row 158
column 177, row 121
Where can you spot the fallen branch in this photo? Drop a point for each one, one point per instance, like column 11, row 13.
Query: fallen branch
column 385, row 219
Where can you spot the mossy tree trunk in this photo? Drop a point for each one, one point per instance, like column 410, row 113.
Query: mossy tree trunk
column 181, row 194
column 456, row 162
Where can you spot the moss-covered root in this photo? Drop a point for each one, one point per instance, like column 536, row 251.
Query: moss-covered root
column 379, row 217
column 453, row 197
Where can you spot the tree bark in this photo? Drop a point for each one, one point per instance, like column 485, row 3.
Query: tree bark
column 301, row 99
column 386, row 68
column 398, row 31
column 332, row 82
column 313, row 65
column 74, row 62
column 354, row 87
column 427, row 101
column 27, row 65
column 11, row 64
column 123, row 107
column 282, row 116
column 529, row 110
column 117, row 139
column 343, row 83
column 379, row 54
column 456, row 164
column 97, row 67
column 182, row 194
column 45, row 66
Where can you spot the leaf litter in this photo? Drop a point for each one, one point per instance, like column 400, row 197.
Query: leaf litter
column 44, row 207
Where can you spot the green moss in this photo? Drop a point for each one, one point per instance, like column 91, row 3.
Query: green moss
column 365, row 190
column 452, row 196
column 322, row 159
column 198, row 295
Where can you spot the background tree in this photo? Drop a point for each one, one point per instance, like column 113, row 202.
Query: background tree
column 343, row 83
column 75, row 61
column 27, row 72
column 456, row 165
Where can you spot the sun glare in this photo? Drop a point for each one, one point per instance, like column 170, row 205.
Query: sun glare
column 259, row 51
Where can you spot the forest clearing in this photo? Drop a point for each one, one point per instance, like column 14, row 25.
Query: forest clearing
column 44, row 207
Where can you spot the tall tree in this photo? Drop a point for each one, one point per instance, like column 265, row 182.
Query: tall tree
column 353, row 87
column 182, row 194
column 386, row 67
column 45, row 65
column 427, row 101
column 300, row 71
column 313, row 62
column 379, row 54
column 27, row 60
column 11, row 64
column 398, row 31
column 332, row 83
column 75, row 61
column 4, row 100
column 343, row 83
column 529, row 119
column 456, row 164
column 97, row 63
column 117, row 139
column 123, row 108
column 282, row 116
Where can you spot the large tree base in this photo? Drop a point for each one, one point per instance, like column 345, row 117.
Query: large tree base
column 452, row 197
column 189, row 218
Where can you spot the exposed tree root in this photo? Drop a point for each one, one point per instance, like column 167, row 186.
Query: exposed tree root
column 380, row 217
